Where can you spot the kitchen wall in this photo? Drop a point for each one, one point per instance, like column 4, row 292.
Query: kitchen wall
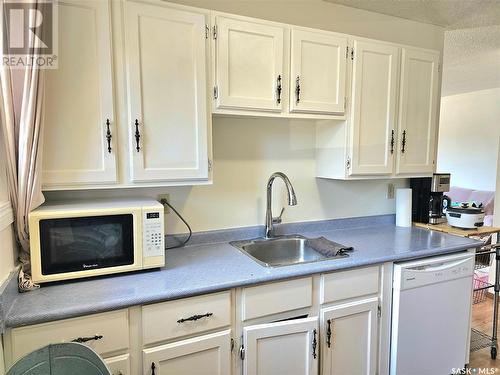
column 469, row 138
column 247, row 151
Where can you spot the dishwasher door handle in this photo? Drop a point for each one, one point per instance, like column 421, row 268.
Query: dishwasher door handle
column 440, row 266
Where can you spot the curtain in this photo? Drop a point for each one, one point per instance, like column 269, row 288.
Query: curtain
column 23, row 136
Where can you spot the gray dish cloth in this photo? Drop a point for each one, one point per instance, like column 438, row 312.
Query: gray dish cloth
column 328, row 248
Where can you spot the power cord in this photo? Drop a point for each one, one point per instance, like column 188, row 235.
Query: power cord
column 164, row 202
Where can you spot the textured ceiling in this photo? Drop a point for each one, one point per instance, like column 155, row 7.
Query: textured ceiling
column 451, row 14
column 471, row 58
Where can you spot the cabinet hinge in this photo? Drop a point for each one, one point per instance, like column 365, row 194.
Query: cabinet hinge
column 352, row 53
column 439, row 68
column 207, row 31
column 345, row 103
column 379, row 311
column 209, row 165
column 216, row 92
column 348, row 163
column 214, row 32
column 242, row 352
column 347, row 52
column 232, row 344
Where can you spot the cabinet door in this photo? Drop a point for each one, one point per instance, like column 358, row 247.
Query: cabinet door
column 79, row 99
column 318, row 68
column 418, row 111
column 282, row 348
column 210, row 355
column 374, row 108
column 167, row 89
column 119, row 365
column 349, row 338
column 249, row 65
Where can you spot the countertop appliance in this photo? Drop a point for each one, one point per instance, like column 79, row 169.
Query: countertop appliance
column 75, row 239
column 431, row 311
column 466, row 216
column 429, row 203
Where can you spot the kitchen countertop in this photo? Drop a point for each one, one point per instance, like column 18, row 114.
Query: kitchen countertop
column 211, row 267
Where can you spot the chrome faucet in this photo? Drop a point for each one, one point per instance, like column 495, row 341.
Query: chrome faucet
column 292, row 201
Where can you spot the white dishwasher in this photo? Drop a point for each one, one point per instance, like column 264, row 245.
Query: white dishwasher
column 431, row 312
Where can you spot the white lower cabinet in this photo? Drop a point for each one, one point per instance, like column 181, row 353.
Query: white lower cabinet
column 119, row 365
column 204, row 355
column 288, row 347
column 349, row 338
column 289, row 327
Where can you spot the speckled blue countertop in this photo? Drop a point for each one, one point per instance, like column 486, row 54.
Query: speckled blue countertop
column 209, row 267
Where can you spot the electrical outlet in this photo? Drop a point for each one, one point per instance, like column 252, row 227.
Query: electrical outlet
column 167, row 198
column 390, row 191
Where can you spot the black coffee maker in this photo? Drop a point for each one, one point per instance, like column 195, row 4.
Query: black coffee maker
column 429, row 202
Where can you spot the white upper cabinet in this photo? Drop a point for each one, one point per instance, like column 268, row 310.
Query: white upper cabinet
column 349, row 340
column 78, row 113
column 417, row 111
column 249, row 65
column 166, row 52
column 318, row 72
column 373, row 117
column 288, row 347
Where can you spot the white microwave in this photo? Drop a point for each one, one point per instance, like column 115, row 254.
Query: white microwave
column 76, row 239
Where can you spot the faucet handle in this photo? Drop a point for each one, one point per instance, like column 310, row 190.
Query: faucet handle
column 277, row 220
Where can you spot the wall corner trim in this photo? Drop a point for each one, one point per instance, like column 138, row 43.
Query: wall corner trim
column 6, row 215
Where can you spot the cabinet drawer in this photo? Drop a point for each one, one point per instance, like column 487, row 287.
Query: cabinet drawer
column 119, row 365
column 163, row 321
column 112, row 326
column 275, row 298
column 337, row 286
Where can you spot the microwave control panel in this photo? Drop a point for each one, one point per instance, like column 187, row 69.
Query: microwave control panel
column 154, row 241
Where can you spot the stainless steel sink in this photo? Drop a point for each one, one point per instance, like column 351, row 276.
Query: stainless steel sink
column 282, row 251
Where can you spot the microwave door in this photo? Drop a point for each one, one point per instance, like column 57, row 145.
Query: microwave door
column 86, row 243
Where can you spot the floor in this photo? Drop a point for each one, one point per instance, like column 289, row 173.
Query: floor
column 482, row 321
